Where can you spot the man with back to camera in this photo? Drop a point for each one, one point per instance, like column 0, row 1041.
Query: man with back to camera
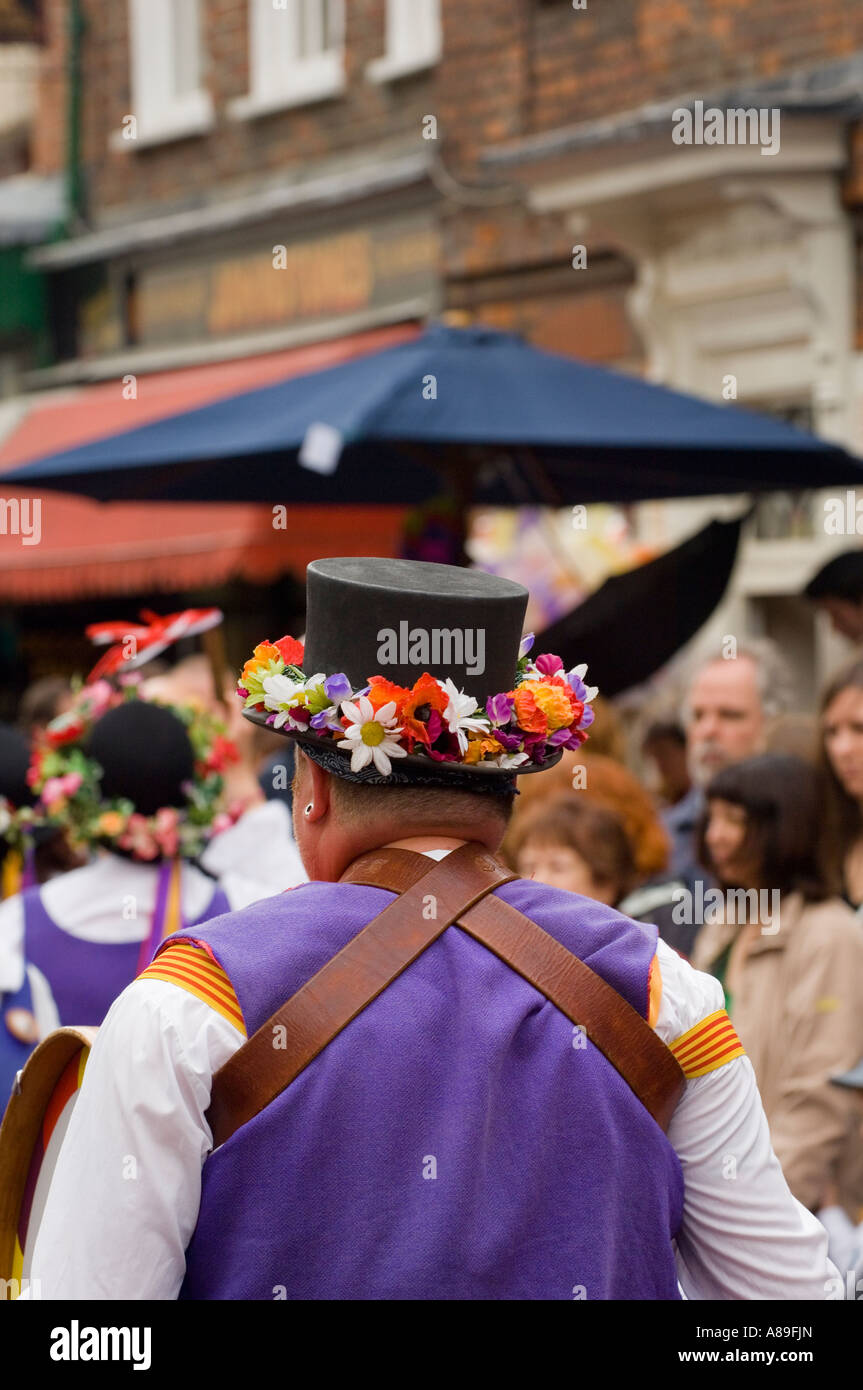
column 457, row 1084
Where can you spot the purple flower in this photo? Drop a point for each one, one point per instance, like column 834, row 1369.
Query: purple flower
column 534, row 747
column 241, row 691
column 500, row 709
column 587, row 718
column 325, row 720
column 549, row 664
column 571, row 738
column 510, row 742
column 576, row 685
column 336, row 688
column 560, row 736
column 527, row 642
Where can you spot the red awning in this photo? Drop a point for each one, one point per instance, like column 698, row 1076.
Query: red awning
column 91, row 548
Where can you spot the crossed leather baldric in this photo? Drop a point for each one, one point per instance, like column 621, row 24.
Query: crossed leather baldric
column 458, row 887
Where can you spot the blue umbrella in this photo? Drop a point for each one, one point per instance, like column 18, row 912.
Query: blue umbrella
column 505, row 422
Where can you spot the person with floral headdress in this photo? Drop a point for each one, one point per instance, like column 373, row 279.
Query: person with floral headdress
column 418, row 1076
column 136, row 787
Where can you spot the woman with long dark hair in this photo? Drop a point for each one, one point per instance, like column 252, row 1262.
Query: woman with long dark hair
column 789, row 954
column 842, row 763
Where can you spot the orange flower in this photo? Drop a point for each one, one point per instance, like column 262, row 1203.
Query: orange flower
column 426, row 691
column 555, row 703
column 529, row 714
column 414, row 731
column 110, row 823
column 478, row 747
column 264, row 653
column 382, row 691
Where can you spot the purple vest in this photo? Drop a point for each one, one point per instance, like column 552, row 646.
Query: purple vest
column 85, row 976
column 454, row 1141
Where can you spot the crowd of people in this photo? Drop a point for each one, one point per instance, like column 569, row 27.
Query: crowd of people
column 740, row 836
column 749, row 859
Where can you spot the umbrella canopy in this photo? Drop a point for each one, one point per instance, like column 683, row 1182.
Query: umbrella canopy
column 635, row 622
column 510, row 423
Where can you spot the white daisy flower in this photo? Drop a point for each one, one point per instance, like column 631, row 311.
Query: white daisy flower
column 282, row 695
column 459, row 714
column 370, row 736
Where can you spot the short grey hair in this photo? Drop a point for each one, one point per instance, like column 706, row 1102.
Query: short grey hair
column 775, row 680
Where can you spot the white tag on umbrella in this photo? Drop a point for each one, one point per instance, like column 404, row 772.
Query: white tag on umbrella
column 321, row 449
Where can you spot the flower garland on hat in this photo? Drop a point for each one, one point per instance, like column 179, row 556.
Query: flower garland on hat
column 68, row 782
column 547, row 709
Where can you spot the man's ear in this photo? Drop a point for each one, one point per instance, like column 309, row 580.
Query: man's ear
column 320, row 792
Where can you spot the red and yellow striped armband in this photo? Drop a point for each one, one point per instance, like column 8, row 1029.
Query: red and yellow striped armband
column 710, row 1044
column 192, row 968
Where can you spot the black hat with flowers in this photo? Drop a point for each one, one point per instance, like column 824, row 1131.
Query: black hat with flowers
column 416, row 673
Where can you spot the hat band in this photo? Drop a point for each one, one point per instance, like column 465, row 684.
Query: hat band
column 546, row 711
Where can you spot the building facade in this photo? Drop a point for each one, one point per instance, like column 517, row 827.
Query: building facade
column 251, row 179
column 716, row 253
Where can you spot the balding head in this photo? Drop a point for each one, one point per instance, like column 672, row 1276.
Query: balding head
column 729, row 707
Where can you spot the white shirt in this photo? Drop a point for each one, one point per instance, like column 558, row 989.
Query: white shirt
column 147, row 1090
column 261, row 847
column 109, row 900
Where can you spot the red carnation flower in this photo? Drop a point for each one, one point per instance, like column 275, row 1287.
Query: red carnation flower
column 291, row 651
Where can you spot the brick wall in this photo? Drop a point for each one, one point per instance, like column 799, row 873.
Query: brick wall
column 172, row 174
column 48, row 134
column 515, row 68
column 511, row 68
column 523, row 66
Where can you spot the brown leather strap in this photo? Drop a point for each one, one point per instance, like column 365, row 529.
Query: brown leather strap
column 433, row 898
column 610, row 1022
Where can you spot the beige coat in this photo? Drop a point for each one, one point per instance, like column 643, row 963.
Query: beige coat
column 798, row 1011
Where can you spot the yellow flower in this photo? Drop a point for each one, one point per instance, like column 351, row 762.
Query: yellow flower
column 110, row 823
column 555, row 704
column 478, row 747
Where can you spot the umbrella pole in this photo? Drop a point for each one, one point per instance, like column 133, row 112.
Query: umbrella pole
column 456, row 467
column 460, row 475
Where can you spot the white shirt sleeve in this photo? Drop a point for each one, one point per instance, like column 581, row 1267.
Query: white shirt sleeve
column 743, row 1234
column 11, row 945
column 132, row 1156
column 147, row 1089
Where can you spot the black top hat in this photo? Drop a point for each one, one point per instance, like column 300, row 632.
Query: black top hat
column 400, row 619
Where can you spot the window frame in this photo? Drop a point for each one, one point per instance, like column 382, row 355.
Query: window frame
column 161, row 115
column 301, row 81
column 399, row 58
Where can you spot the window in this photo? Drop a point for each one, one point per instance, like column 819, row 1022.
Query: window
column 413, row 38
column 168, row 101
column 296, row 54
